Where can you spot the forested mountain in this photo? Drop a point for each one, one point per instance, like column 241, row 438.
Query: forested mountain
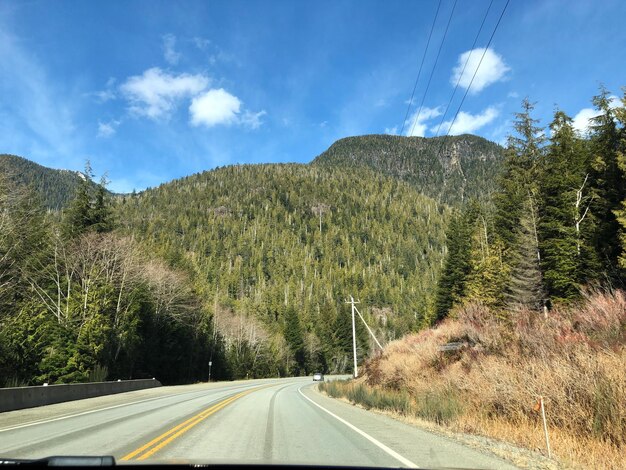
column 55, row 188
column 247, row 266
column 449, row 169
column 275, row 250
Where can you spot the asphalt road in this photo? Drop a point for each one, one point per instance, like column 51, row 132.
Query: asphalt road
column 262, row 421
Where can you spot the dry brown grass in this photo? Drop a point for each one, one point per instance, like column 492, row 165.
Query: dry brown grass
column 576, row 359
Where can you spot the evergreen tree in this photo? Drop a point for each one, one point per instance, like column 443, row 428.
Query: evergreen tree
column 516, row 205
column 518, row 182
column 90, row 210
column 564, row 199
column 79, row 215
column 295, row 340
column 620, row 212
column 102, row 215
column 608, row 184
column 457, row 264
column 342, row 333
column 488, row 274
column 525, row 286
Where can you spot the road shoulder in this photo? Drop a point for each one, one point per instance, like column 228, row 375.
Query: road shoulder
column 426, row 447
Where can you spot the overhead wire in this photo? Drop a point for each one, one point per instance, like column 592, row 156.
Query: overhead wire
column 443, row 39
column 456, row 86
column 493, row 33
column 419, row 72
column 444, row 138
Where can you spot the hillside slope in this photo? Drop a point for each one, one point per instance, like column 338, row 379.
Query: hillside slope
column 264, row 240
column 55, row 187
column 449, row 169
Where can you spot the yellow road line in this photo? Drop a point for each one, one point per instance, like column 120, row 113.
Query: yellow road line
column 171, row 431
column 178, row 430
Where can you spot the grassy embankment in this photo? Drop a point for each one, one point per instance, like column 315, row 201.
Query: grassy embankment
column 575, row 359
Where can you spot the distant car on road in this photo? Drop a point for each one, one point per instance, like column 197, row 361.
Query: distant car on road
column 318, row 377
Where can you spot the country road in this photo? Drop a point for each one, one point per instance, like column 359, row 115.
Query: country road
column 262, row 421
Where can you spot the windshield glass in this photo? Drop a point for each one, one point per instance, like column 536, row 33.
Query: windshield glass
column 356, row 233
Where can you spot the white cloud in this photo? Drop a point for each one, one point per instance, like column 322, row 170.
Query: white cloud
column 107, row 129
column 104, row 95
column 416, row 125
column 214, row 107
column 492, row 69
column 217, row 106
column 107, row 94
column 467, row 123
column 155, row 93
column 581, row 121
column 253, row 120
column 391, row 130
column 169, row 49
column 201, row 43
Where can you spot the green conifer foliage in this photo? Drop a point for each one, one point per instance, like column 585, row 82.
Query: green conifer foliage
column 620, row 211
column 295, row 340
column 457, row 265
column 608, row 185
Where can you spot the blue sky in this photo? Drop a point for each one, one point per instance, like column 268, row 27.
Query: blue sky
column 149, row 91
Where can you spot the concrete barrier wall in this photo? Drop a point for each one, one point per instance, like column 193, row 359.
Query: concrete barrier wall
column 29, row 397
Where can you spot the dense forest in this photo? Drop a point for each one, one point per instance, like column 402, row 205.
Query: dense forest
column 450, row 169
column 557, row 222
column 281, row 247
column 246, row 266
column 80, row 302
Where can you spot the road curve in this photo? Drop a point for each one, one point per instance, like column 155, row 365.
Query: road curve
column 257, row 421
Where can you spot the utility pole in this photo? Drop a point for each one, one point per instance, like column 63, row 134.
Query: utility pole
column 352, row 302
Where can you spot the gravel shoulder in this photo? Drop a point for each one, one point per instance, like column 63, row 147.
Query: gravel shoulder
column 517, row 456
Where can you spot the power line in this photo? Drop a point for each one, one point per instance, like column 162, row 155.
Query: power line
column 419, row 72
column 443, row 139
column 478, row 67
column 463, row 70
column 433, row 69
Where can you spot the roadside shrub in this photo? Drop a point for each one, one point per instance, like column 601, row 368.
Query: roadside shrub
column 575, row 358
column 442, row 406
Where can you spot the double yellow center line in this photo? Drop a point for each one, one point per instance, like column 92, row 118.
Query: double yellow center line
column 164, row 439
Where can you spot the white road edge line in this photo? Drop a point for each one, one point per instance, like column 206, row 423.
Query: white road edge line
column 374, row 441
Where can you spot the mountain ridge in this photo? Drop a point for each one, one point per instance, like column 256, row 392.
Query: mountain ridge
column 450, row 169
column 55, row 187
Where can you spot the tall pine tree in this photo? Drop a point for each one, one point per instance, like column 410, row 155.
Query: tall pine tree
column 564, row 211
column 90, row 209
column 516, row 218
column 608, row 184
column 457, row 264
column 295, row 339
column 620, row 212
